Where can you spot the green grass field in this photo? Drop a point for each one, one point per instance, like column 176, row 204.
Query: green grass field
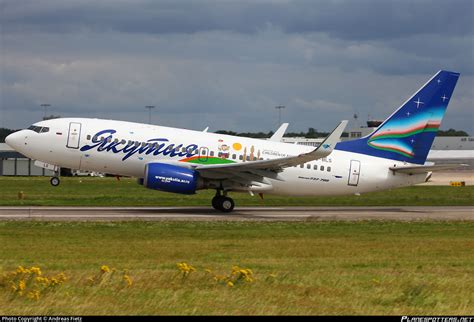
column 297, row 268
column 88, row 191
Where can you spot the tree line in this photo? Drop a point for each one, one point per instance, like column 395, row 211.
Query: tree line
column 310, row 134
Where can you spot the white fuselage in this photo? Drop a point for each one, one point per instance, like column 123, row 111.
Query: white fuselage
column 63, row 145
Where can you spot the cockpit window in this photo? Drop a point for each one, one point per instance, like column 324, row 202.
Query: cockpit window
column 39, row 129
column 35, row 128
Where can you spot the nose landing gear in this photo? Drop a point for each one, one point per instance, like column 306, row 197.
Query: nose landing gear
column 222, row 202
column 55, row 181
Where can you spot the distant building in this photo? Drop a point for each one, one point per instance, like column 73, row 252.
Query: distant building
column 13, row 163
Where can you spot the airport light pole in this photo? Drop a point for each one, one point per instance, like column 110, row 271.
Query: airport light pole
column 279, row 108
column 45, row 106
column 149, row 107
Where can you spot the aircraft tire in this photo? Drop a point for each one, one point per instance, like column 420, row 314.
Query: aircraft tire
column 216, row 202
column 226, row 204
column 55, row 181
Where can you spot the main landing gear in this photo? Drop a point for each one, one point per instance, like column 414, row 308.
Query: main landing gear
column 222, row 202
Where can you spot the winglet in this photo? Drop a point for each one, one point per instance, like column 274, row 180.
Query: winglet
column 276, row 137
column 205, row 130
column 327, row 146
column 330, row 142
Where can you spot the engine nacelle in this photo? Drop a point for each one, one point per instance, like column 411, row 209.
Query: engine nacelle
column 170, row 178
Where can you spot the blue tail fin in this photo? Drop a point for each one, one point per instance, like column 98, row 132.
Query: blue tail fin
column 407, row 135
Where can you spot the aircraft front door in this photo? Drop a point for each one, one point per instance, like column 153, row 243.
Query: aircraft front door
column 203, row 154
column 354, row 173
column 74, row 135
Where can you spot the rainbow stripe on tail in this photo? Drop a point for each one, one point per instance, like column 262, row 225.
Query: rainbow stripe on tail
column 407, row 135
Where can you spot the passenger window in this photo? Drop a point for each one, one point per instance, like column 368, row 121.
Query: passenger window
column 137, row 144
column 123, row 141
column 329, row 169
column 212, row 153
column 241, row 157
column 308, row 166
column 315, row 167
column 234, row 156
column 322, row 168
column 116, row 140
column 109, row 139
column 248, row 158
column 88, row 137
column 301, row 165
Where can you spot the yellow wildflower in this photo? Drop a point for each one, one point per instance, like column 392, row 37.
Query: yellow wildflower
column 34, row 295
column 230, row 284
column 61, row 278
column 21, row 285
column 242, row 274
column 185, row 268
column 104, row 269
column 128, row 280
column 35, row 270
column 21, row 269
column 42, row 280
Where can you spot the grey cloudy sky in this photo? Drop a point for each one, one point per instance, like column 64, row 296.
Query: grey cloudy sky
column 226, row 64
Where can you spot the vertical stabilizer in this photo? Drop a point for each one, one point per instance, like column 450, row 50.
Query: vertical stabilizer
column 407, row 134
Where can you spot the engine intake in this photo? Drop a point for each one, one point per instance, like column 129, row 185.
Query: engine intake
column 170, row 178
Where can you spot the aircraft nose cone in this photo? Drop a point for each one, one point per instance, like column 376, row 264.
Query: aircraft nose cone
column 15, row 140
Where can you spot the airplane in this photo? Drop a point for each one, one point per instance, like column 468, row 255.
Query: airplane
column 184, row 161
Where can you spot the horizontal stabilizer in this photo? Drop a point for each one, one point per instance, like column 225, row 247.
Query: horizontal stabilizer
column 426, row 168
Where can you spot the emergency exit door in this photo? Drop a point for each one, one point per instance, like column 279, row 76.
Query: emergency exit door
column 354, row 173
column 74, row 135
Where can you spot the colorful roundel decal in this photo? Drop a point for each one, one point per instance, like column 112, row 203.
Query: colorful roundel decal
column 237, row 146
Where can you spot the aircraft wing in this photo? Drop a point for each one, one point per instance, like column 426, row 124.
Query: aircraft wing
column 417, row 169
column 269, row 168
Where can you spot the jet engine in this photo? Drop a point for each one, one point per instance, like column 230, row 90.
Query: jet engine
column 170, row 178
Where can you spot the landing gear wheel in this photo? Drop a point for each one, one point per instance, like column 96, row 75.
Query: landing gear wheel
column 226, row 204
column 55, row 181
column 216, row 202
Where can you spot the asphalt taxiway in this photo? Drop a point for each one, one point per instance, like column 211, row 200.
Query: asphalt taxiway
column 239, row 214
